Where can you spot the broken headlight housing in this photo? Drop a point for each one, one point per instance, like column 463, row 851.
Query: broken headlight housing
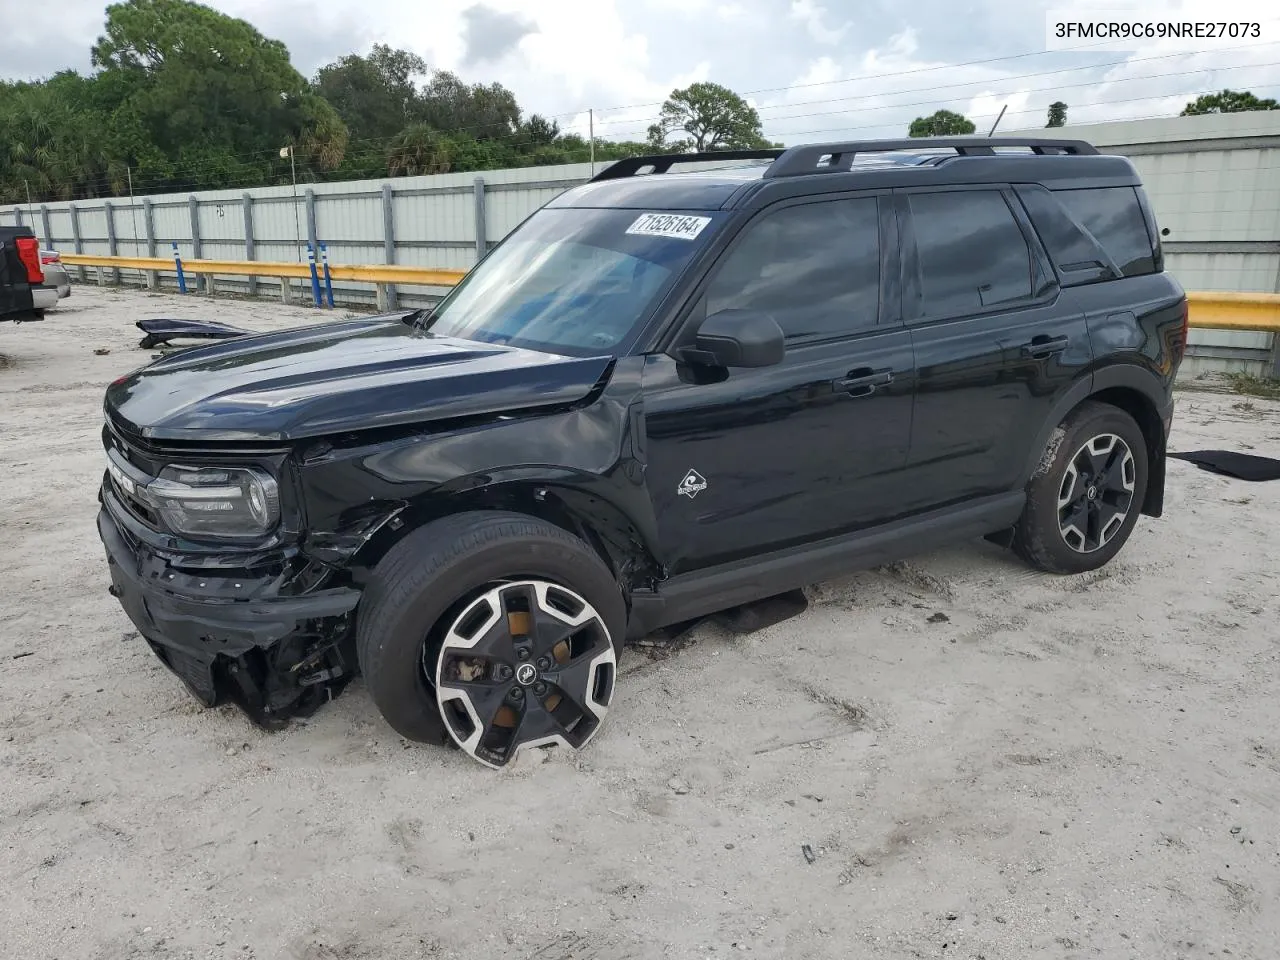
column 221, row 502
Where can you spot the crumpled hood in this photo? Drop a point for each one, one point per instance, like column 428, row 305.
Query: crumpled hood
column 338, row 377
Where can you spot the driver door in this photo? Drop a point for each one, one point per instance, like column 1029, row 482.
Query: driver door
column 748, row 460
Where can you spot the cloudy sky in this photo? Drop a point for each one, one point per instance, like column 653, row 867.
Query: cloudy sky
column 814, row 68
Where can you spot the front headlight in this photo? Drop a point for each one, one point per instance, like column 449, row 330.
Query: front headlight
column 215, row 502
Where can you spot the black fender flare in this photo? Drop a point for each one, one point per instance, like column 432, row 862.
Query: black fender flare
column 1130, row 377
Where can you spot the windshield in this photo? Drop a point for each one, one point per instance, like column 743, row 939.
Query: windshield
column 574, row 281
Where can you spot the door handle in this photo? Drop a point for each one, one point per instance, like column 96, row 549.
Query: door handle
column 863, row 382
column 1041, row 347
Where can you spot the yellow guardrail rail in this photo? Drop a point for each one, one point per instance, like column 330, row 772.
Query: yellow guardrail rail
column 372, row 273
column 1259, row 312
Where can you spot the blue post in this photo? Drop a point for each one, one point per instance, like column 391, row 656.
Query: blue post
column 328, row 280
column 177, row 262
column 315, row 277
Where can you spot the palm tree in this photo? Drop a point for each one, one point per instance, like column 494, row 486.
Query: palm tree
column 417, row 150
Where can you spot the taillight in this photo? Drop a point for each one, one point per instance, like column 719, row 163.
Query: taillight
column 46, row 258
column 1186, row 321
column 29, row 254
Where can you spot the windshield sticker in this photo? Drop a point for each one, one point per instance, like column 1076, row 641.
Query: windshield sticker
column 668, row 225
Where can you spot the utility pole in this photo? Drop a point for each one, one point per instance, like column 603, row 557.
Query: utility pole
column 31, row 209
column 591, row 126
column 297, row 226
column 133, row 214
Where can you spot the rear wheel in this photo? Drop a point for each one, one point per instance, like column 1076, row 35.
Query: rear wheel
column 494, row 631
column 1085, row 499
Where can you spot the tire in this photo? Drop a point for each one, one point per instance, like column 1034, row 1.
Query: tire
column 428, row 579
column 1095, row 463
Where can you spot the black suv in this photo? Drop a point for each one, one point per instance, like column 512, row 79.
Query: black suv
column 663, row 395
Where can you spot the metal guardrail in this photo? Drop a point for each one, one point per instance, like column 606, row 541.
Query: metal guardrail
column 374, row 273
column 1258, row 312
column 384, row 277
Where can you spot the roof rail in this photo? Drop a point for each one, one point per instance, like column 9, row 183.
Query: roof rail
column 801, row 160
column 661, row 163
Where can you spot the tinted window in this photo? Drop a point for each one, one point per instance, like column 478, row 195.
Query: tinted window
column 1070, row 246
column 814, row 267
column 1114, row 217
column 972, row 252
column 573, row 280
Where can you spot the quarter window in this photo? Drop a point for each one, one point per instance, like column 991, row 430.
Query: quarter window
column 1114, row 217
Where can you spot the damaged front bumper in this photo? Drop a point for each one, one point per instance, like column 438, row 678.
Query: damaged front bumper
column 239, row 638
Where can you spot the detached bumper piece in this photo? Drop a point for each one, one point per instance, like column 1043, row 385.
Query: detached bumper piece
column 277, row 657
column 161, row 332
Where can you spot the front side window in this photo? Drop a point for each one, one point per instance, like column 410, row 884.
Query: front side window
column 972, row 254
column 573, row 280
column 814, row 267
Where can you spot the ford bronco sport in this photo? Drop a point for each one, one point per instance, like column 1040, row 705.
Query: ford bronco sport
column 663, row 395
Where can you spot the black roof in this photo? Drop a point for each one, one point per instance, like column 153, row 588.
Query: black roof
column 731, row 178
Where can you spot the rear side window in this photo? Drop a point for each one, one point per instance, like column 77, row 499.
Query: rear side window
column 972, row 254
column 814, row 267
column 1115, row 219
column 1074, row 251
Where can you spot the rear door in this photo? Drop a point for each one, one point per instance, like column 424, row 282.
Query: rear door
column 995, row 348
column 744, row 461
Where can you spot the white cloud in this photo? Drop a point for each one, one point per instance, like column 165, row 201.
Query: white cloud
column 810, row 73
column 812, row 16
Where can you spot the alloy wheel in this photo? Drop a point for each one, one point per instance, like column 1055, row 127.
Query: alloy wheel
column 1096, row 494
column 525, row 664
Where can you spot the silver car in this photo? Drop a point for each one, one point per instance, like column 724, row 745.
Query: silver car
column 55, row 273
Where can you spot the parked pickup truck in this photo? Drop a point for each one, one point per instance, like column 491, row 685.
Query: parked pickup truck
column 23, row 293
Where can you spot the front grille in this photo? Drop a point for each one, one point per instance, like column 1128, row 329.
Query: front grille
column 113, row 439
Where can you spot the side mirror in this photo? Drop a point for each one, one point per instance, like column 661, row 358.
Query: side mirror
column 737, row 338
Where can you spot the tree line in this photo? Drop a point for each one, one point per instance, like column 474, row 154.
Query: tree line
column 182, row 97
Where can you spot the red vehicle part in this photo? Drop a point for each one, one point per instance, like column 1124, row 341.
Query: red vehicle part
column 29, row 255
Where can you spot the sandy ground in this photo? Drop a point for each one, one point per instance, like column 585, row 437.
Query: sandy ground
column 984, row 762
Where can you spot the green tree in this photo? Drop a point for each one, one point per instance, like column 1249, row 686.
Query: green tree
column 375, row 95
column 711, row 116
column 1228, row 101
column 480, row 111
column 1057, row 114
column 943, row 123
column 539, row 131
column 214, row 95
column 420, row 150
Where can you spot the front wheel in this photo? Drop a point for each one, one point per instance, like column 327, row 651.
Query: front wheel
column 494, row 631
column 1086, row 496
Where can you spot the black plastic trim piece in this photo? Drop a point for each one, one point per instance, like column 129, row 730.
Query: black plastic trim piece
column 661, row 163
column 802, row 160
column 704, row 592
